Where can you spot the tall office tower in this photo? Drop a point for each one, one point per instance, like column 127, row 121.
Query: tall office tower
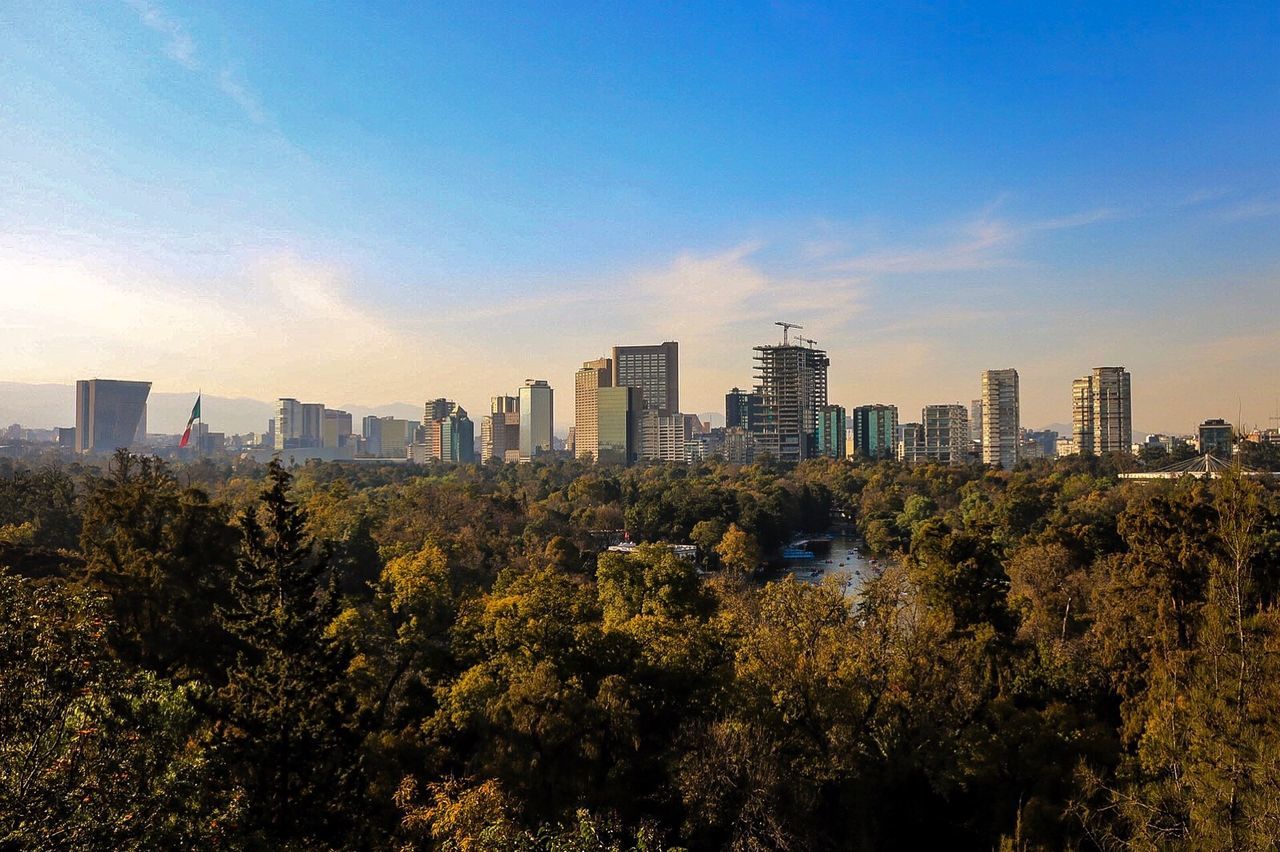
column 449, row 434
column 1102, row 412
column 536, row 411
column 793, row 389
column 662, row 436
column 909, row 442
column 299, row 425
column 336, row 431
column 500, row 431
column 110, row 414
column 975, row 420
column 437, row 409
column 288, row 423
column 312, row 424
column 586, row 385
column 741, row 409
column 946, row 433
column 653, row 369
column 1001, row 424
column 875, row 431
column 1216, row 438
column 831, row 431
column 618, row 424
column 371, row 431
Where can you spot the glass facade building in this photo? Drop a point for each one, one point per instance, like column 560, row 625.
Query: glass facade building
column 875, row 431
column 536, row 417
column 831, row 431
column 618, row 410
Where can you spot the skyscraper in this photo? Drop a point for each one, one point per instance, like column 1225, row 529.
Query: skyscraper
column 1101, row 412
column 653, row 369
column 587, row 383
column 792, row 383
column 436, row 409
column 500, row 431
column 1001, row 426
column 370, row 430
column 831, row 431
column 110, row 414
column 875, row 428
column 447, row 433
column 536, row 412
column 946, row 433
column 299, row 425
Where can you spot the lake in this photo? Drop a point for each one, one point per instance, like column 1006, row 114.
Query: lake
column 841, row 560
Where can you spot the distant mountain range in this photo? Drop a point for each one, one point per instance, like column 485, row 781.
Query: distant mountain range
column 1064, row 431
column 42, row 406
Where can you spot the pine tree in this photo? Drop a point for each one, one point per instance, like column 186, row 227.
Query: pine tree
column 284, row 703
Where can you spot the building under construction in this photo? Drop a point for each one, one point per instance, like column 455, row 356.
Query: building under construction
column 792, row 383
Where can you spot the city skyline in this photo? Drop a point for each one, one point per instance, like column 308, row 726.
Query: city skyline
column 231, row 199
column 561, row 427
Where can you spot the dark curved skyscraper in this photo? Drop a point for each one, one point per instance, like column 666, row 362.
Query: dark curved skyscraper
column 110, row 414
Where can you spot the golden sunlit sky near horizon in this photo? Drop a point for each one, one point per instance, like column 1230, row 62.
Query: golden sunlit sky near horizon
column 375, row 206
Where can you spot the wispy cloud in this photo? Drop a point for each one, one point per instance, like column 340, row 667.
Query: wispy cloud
column 239, row 92
column 1247, row 210
column 179, row 46
column 983, row 242
column 1203, row 196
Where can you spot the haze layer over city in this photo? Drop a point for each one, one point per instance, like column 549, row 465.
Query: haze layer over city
column 378, row 207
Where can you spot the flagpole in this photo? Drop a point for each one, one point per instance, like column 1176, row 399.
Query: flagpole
column 200, row 421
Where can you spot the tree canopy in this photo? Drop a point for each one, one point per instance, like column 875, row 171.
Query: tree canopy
column 240, row 656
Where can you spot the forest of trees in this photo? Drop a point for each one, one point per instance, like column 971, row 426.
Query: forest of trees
column 234, row 656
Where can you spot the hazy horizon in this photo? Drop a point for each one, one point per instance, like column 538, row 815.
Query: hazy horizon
column 343, row 204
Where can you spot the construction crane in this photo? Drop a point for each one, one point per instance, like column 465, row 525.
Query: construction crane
column 786, row 327
column 808, row 341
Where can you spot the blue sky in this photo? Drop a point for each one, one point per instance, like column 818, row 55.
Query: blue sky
column 354, row 204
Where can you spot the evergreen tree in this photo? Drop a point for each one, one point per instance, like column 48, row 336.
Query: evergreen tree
column 284, row 705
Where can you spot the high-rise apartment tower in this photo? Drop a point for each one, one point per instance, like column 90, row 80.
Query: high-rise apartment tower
column 946, row 433
column 875, row 428
column 1102, row 412
column 1001, row 424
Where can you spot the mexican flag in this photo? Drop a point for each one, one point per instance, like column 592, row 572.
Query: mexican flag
column 195, row 415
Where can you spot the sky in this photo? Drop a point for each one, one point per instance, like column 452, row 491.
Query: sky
column 350, row 203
